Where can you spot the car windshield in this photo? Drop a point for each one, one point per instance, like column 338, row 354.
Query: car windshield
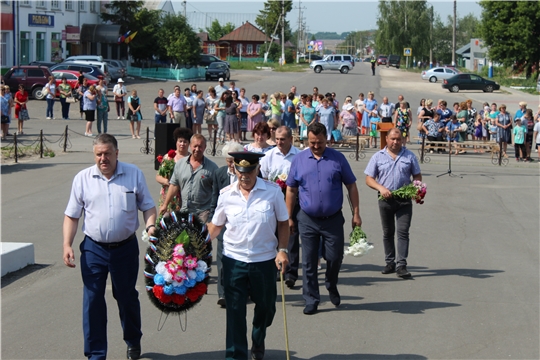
column 217, row 65
column 90, row 77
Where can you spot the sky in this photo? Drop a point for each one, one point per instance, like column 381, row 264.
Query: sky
column 319, row 15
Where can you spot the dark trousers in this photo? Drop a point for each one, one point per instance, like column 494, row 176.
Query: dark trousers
column 373, row 70
column 436, row 138
column 219, row 261
column 50, row 107
column 65, row 108
column 120, row 106
column 294, row 248
column 258, row 280
column 517, row 148
column 313, row 231
column 160, row 119
column 189, row 121
column 123, row 265
column 396, row 215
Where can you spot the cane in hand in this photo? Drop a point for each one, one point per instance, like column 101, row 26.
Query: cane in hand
column 284, row 312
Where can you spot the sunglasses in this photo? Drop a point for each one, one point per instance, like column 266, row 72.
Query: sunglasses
column 273, row 129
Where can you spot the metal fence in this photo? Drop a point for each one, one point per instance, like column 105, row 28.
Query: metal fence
column 168, row 73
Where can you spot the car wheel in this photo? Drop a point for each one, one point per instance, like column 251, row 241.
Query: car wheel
column 489, row 88
column 317, row 69
column 37, row 93
column 397, row 67
column 433, row 79
column 207, row 78
column 344, row 70
column 454, row 88
column 228, row 77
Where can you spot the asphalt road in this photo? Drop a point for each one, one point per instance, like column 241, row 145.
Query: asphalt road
column 474, row 253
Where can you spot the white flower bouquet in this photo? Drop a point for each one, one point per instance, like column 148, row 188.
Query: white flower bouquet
column 358, row 245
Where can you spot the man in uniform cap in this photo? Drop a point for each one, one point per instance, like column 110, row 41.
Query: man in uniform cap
column 251, row 209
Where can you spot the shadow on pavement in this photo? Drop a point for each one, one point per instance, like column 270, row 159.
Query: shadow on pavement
column 402, row 307
column 19, row 274
column 473, row 273
column 366, row 356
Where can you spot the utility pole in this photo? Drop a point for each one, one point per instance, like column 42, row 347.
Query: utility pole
column 298, row 31
column 184, row 5
column 282, row 32
column 431, row 40
column 454, row 36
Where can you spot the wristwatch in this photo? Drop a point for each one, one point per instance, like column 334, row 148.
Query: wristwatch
column 283, row 250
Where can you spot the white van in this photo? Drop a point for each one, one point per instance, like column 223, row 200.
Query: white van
column 103, row 66
column 85, row 58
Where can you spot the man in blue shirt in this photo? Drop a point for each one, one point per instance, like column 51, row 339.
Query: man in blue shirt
column 389, row 169
column 316, row 177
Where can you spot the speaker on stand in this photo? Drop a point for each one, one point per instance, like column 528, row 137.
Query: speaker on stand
column 164, row 140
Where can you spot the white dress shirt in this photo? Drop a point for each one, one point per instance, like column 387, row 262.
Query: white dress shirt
column 275, row 163
column 110, row 205
column 250, row 224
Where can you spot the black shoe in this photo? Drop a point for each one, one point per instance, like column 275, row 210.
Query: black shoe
column 290, row 283
column 257, row 352
column 389, row 269
column 402, row 272
column 310, row 309
column 134, row 352
column 221, row 302
column 334, row 297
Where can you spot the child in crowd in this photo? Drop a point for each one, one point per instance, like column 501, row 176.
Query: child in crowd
column 492, row 129
column 519, row 140
column 373, row 133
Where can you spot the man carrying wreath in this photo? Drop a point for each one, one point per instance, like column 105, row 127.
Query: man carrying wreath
column 251, row 209
column 389, row 169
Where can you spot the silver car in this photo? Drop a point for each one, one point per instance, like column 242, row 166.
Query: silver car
column 439, row 73
column 337, row 62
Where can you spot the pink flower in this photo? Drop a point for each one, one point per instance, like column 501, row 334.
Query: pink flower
column 190, row 262
column 171, row 267
column 178, row 251
column 179, row 275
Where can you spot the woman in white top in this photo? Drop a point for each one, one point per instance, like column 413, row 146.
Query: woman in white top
column 50, row 88
column 120, row 93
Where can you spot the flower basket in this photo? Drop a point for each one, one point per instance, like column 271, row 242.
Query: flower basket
column 177, row 263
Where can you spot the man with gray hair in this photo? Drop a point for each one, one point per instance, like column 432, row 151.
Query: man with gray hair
column 222, row 177
column 277, row 162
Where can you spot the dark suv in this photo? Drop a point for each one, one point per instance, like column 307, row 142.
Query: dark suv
column 393, row 60
column 34, row 78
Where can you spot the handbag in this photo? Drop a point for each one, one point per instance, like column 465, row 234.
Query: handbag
column 337, row 135
column 45, row 91
column 304, row 134
column 210, row 117
column 23, row 114
column 420, row 125
column 5, row 119
column 71, row 100
column 268, row 113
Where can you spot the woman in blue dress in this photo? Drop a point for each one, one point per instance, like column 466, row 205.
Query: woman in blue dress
column 370, row 105
column 327, row 117
column 504, row 131
column 308, row 116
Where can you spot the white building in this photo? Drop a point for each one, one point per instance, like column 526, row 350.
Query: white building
column 53, row 30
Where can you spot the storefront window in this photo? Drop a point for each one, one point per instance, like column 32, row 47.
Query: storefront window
column 56, row 53
column 40, row 46
column 24, row 59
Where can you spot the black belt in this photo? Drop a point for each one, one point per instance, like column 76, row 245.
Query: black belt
column 326, row 217
column 113, row 245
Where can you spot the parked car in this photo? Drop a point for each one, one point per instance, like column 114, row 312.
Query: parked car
column 206, row 60
column 338, row 62
column 469, row 82
column 118, row 64
column 92, row 70
column 217, row 70
column 367, row 59
column 309, row 58
column 72, row 78
column 85, row 58
column 394, row 60
column 382, row 60
column 43, row 63
column 115, row 73
column 439, row 73
column 33, row 77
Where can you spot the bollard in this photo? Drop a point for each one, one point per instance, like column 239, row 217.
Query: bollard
column 357, row 146
column 214, row 143
column 500, row 151
column 423, row 147
column 147, row 142
column 41, row 144
column 15, row 148
column 65, row 139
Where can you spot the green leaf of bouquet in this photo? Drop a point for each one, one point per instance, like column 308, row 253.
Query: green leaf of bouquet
column 183, row 238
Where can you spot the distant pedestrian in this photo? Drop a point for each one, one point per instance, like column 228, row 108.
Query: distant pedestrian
column 81, row 90
column 120, row 93
column 50, row 88
column 21, row 99
column 65, row 92
column 134, row 114
column 90, row 101
column 102, row 112
column 373, row 64
column 160, row 108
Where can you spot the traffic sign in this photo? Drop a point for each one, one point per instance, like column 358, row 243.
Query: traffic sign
column 407, row 51
column 310, row 48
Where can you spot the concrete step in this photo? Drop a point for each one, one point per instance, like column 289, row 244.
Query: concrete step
column 16, row 256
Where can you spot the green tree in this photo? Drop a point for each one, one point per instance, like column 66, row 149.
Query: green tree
column 143, row 46
column 354, row 42
column 216, row 31
column 178, row 40
column 269, row 16
column 511, row 32
column 122, row 13
column 403, row 24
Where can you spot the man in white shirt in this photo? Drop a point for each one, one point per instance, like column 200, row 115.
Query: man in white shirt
column 253, row 211
column 220, row 89
column 275, row 163
column 386, row 110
